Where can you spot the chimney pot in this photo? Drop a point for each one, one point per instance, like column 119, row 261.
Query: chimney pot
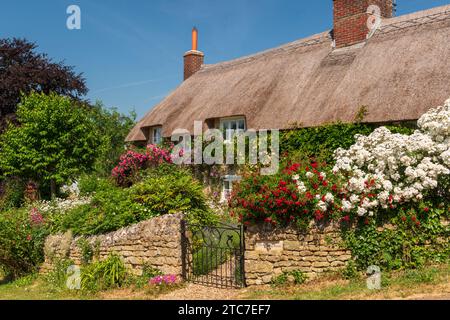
column 194, row 39
column 193, row 59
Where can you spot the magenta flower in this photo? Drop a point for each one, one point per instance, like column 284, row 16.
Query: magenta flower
column 36, row 217
column 163, row 280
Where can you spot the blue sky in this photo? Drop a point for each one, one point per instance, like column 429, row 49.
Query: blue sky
column 131, row 52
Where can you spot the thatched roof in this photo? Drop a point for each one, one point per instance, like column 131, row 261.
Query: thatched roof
column 401, row 72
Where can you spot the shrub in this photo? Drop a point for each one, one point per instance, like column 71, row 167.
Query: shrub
column 386, row 170
column 163, row 190
column 296, row 277
column 102, row 275
column 299, row 193
column 132, row 162
column 22, row 237
column 404, row 243
column 110, row 209
column 350, row 271
column 168, row 190
column 90, row 183
column 11, row 193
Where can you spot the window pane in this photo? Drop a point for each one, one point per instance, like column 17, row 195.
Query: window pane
column 241, row 125
column 157, row 135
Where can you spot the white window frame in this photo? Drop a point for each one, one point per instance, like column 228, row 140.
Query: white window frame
column 156, row 134
column 228, row 181
column 227, row 123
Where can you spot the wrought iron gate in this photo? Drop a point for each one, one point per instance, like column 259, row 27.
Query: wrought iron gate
column 213, row 255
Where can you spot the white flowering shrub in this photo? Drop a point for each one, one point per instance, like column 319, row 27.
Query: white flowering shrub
column 60, row 206
column 385, row 170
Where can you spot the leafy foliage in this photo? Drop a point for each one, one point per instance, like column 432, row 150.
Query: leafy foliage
column 23, row 70
column 110, row 209
column 55, row 142
column 22, row 236
column 162, row 190
column 89, row 184
column 415, row 236
column 296, row 277
column 112, row 128
column 168, row 190
column 57, row 277
column 324, row 140
column 102, row 275
column 295, row 195
column 12, row 193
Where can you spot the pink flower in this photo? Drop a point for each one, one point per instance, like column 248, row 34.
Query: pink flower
column 36, row 217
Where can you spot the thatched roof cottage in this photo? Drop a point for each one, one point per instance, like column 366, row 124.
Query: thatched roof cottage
column 397, row 69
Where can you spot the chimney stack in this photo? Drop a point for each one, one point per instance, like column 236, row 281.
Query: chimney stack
column 193, row 59
column 351, row 19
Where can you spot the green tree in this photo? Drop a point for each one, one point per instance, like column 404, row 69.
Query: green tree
column 113, row 127
column 55, row 141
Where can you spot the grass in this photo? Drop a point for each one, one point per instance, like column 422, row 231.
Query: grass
column 422, row 283
column 426, row 283
column 39, row 287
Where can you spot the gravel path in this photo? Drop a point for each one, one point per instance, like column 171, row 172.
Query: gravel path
column 198, row 292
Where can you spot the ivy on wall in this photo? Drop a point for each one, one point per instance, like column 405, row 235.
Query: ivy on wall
column 324, row 140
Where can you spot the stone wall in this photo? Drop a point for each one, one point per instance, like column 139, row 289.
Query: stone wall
column 156, row 242
column 269, row 252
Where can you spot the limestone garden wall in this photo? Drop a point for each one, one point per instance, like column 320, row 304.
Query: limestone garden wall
column 270, row 252
column 156, row 242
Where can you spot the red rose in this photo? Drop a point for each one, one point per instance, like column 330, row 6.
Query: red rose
column 426, row 209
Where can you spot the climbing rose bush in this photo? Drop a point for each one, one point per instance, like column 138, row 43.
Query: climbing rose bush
column 386, row 170
column 298, row 194
column 132, row 162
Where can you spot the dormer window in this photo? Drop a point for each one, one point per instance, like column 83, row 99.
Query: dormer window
column 156, row 135
column 232, row 126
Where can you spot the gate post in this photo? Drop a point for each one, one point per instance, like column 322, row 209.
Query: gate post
column 183, row 250
column 242, row 227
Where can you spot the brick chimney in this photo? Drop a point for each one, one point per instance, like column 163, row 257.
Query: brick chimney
column 193, row 59
column 351, row 17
